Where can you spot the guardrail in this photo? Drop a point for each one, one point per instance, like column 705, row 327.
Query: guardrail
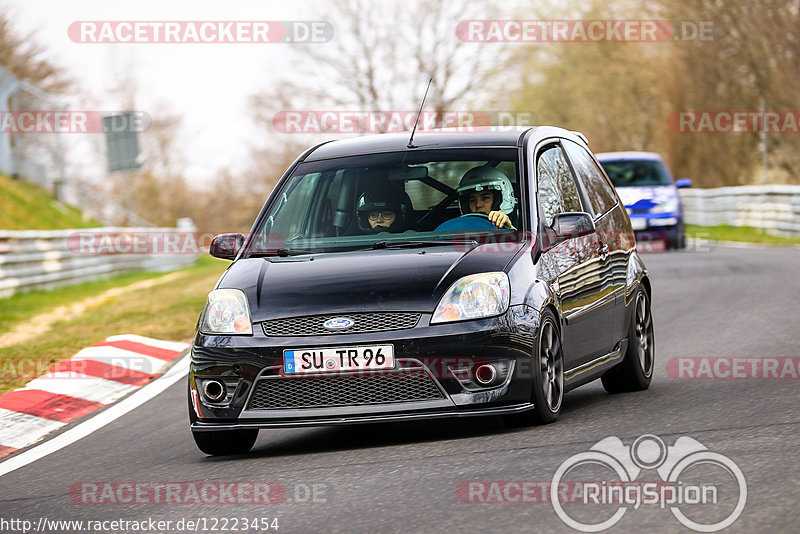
column 44, row 259
column 774, row 208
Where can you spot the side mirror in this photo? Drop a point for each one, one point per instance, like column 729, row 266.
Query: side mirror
column 226, row 246
column 680, row 183
column 573, row 224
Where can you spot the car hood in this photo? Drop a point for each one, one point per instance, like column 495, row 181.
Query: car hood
column 359, row 281
column 645, row 198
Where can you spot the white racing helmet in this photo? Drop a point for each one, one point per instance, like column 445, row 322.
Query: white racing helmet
column 487, row 178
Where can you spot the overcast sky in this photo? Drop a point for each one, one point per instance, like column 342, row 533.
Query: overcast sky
column 206, row 84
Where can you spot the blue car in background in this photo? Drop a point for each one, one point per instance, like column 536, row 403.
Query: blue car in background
column 650, row 195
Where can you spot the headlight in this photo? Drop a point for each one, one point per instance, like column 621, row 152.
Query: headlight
column 473, row 297
column 668, row 206
column 226, row 312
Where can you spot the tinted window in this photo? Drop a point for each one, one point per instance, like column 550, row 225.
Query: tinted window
column 631, row 173
column 557, row 190
column 294, row 206
column 316, row 209
column 598, row 190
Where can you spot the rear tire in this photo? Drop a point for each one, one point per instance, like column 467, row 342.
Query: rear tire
column 225, row 442
column 548, row 377
column 636, row 370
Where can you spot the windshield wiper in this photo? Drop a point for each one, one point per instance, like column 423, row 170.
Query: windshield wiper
column 282, row 252
column 418, row 243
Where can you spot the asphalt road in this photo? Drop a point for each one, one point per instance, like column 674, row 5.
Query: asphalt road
column 730, row 302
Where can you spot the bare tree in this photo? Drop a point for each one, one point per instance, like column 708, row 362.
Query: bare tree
column 24, row 58
column 382, row 56
column 621, row 94
column 380, row 59
column 755, row 55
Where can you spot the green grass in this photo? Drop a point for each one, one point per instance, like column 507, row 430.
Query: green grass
column 165, row 311
column 24, row 305
column 24, row 206
column 745, row 234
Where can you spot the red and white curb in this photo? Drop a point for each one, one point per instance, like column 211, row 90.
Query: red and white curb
column 95, row 377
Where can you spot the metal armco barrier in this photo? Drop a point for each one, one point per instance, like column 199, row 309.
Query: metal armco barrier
column 43, row 259
column 774, row 208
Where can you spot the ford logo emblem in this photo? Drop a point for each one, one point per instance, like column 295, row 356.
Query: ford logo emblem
column 338, row 323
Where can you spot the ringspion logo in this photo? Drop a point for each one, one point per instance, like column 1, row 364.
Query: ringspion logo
column 704, row 490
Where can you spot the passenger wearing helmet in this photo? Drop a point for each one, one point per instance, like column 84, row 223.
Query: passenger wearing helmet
column 383, row 208
column 487, row 190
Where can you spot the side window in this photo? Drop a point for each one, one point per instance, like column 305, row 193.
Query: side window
column 296, row 206
column 599, row 192
column 556, row 184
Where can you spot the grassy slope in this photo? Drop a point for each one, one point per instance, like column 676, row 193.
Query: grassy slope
column 745, row 234
column 167, row 311
column 26, row 207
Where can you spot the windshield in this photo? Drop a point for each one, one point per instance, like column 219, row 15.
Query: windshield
column 636, row 173
column 393, row 199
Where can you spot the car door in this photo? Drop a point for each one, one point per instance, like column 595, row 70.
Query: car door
column 578, row 282
column 613, row 241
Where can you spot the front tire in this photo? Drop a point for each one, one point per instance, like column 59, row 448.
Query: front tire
column 636, row 370
column 225, row 442
column 548, row 376
column 678, row 241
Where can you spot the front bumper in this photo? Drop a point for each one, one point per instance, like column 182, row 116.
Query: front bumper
column 657, row 227
column 252, row 364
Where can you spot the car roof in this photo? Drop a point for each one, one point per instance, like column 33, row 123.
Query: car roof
column 634, row 156
column 436, row 139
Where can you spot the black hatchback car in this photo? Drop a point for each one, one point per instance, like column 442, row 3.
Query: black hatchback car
column 461, row 274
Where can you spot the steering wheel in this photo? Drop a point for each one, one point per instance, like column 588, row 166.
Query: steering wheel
column 478, row 214
column 468, row 221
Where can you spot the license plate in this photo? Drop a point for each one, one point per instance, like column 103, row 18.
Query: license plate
column 337, row 359
column 638, row 223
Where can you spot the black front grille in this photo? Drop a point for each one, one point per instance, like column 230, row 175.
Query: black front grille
column 405, row 385
column 362, row 323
